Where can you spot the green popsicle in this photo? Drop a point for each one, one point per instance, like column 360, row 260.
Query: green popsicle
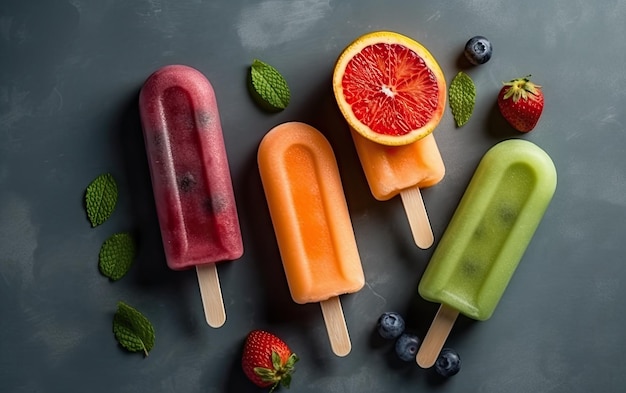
column 486, row 238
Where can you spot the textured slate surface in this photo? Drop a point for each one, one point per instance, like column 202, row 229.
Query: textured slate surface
column 70, row 72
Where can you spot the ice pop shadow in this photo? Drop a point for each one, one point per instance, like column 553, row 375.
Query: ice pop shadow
column 462, row 64
column 237, row 382
column 278, row 306
column 150, row 273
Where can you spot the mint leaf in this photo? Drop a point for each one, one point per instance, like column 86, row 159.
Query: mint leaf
column 100, row 198
column 117, row 255
column 132, row 329
column 268, row 87
column 462, row 98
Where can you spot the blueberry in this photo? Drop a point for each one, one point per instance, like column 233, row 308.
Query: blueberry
column 478, row 50
column 390, row 325
column 406, row 346
column 448, row 363
column 187, row 183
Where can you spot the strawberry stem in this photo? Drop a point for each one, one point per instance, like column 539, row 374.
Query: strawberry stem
column 280, row 374
column 521, row 88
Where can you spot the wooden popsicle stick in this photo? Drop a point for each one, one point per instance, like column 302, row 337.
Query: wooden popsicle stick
column 418, row 218
column 336, row 326
column 436, row 336
column 211, row 294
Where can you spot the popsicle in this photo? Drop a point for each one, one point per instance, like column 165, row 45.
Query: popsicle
column 486, row 238
column 393, row 170
column 311, row 222
column 190, row 178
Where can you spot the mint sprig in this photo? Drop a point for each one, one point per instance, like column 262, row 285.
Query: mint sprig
column 117, row 255
column 462, row 98
column 101, row 198
column 268, row 87
column 132, row 329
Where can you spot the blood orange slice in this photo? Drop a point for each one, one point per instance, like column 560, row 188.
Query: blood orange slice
column 389, row 88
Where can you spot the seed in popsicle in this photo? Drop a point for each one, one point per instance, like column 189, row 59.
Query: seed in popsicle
column 204, row 118
column 187, row 183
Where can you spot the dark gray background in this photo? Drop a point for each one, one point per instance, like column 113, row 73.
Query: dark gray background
column 70, row 72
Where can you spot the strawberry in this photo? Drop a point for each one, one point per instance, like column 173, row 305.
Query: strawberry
column 267, row 360
column 521, row 103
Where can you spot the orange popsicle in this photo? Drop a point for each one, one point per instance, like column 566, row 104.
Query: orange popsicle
column 392, row 92
column 311, row 221
column 393, row 170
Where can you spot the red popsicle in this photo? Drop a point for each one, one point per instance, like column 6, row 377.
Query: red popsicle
column 190, row 178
